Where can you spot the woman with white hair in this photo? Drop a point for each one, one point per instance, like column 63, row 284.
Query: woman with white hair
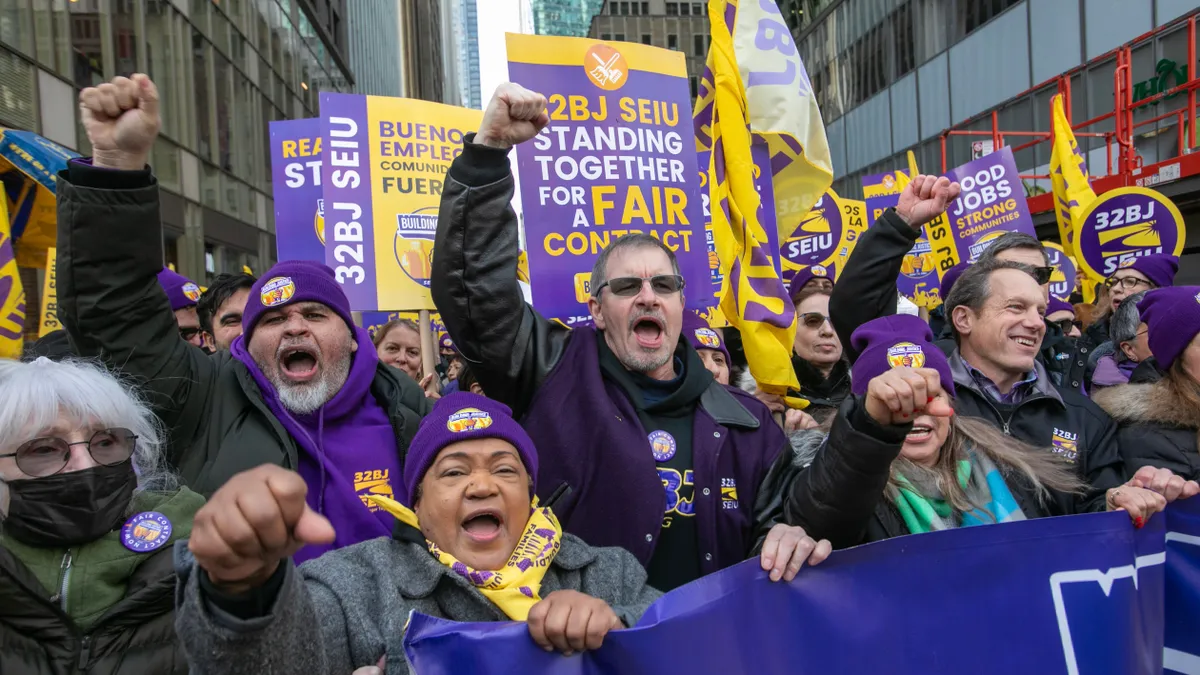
column 88, row 519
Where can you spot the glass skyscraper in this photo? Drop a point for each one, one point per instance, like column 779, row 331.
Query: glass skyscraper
column 564, row 17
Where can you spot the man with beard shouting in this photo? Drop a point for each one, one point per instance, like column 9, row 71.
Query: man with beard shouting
column 295, row 390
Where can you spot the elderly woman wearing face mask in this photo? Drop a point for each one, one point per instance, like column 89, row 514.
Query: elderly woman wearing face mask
column 473, row 547
column 87, row 519
column 899, row 461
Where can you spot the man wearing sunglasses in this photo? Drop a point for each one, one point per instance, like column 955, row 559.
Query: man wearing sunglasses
column 184, row 295
column 301, row 388
column 658, row 457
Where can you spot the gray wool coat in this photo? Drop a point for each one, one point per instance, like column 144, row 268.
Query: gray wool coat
column 349, row 607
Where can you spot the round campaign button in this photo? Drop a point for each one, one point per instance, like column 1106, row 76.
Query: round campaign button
column 663, row 445
column 146, row 531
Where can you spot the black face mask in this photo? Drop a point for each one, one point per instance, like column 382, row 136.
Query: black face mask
column 69, row 509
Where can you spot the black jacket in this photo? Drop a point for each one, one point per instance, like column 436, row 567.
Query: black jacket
column 866, row 290
column 1155, row 428
column 109, row 253
column 1059, row 419
column 824, row 394
column 837, row 493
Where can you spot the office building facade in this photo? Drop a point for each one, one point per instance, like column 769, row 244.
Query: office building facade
column 374, row 32
column 224, row 71
column 570, row 18
column 682, row 26
column 892, row 75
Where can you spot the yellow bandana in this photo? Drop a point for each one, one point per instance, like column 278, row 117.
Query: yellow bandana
column 514, row 587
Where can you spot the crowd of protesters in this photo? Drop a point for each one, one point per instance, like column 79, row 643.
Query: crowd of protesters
column 243, row 480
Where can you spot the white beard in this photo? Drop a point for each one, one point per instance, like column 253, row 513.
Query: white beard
column 306, row 398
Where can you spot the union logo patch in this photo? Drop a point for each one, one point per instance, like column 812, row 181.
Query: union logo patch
column 905, row 355
column 469, row 419
column 819, row 271
column 146, row 531
column 1128, row 262
column 662, row 445
column 191, row 291
column 708, row 337
column 277, row 291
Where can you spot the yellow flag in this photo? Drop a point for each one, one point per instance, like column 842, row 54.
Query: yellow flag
column 49, row 320
column 1068, row 178
column 912, row 164
column 12, row 294
column 246, row 269
column 756, row 89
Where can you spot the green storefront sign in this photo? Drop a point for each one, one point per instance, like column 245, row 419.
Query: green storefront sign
column 1168, row 75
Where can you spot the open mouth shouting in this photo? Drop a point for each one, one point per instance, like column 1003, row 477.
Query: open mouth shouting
column 483, row 526
column 649, row 330
column 919, row 433
column 299, row 363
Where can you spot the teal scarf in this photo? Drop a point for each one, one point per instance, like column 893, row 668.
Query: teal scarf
column 982, row 482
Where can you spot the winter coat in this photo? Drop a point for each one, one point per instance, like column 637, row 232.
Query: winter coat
column 835, row 489
column 824, row 394
column 96, row 609
column 585, row 426
column 1155, row 428
column 110, row 302
column 350, row 607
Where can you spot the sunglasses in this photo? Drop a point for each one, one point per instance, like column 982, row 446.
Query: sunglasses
column 1066, row 324
column 1042, row 274
column 814, row 319
column 189, row 334
column 627, row 287
column 43, row 457
column 1126, row 283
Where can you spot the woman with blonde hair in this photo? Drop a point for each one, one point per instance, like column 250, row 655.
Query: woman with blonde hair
column 899, row 461
column 88, row 519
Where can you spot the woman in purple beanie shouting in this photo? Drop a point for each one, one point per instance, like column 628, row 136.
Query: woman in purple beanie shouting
column 899, row 461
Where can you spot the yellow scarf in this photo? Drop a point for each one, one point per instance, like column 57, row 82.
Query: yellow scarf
column 514, row 587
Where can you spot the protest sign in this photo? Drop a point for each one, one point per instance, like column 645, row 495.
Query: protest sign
column 617, row 157
column 384, row 163
column 1062, row 280
column 854, row 223
column 816, row 239
column 296, row 180
column 1079, row 595
column 919, row 279
column 1123, row 224
column 49, row 319
column 992, row 202
column 881, row 191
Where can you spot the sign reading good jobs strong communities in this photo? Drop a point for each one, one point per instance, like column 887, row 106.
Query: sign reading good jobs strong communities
column 383, row 169
column 618, row 156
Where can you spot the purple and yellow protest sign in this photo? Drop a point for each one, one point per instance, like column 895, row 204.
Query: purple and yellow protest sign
column 816, row 239
column 854, row 223
column 1062, row 280
column 881, row 191
column 1123, row 224
column 617, row 157
column 991, row 203
column 296, row 180
column 384, row 166
column 374, row 321
column 919, row 278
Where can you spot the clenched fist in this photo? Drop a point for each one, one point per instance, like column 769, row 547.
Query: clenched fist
column 121, row 120
column 899, row 395
column 253, row 522
column 926, row 198
column 570, row 621
column 513, row 116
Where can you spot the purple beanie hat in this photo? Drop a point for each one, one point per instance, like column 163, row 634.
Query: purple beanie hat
column 294, row 281
column 1172, row 318
column 181, row 291
column 701, row 336
column 1160, row 268
column 808, row 274
column 1056, row 305
column 950, row 277
column 463, row 416
column 893, row 342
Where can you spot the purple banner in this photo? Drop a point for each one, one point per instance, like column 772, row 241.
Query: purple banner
column 346, row 183
column 615, row 159
column 296, row 180
column 992, row 202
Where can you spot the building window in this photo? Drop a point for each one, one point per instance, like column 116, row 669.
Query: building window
column 619, row 37
column 698, row 8
column 972, row 15
column 606, row 36
column 646, row 39
column 672, row 9
column 685, row 9
column 645, row 8
column 698, row 45
column 672, row 41
column 636, row 8
column 695, row 85
column 624, row 9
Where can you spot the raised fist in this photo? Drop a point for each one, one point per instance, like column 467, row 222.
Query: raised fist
column 899, row 395
column 121, row 120
column 253, row 522
column 926, row 198
column 513, row 116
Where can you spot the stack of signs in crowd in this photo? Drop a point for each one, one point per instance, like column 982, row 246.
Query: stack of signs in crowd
column 1124, row 224
column 1062, row 280
column 617, row 157
column 991, row 203
column 918, row 280
column 296, row 179
column 383, row 169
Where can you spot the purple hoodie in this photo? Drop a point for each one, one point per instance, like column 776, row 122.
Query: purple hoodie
column 347, row 451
